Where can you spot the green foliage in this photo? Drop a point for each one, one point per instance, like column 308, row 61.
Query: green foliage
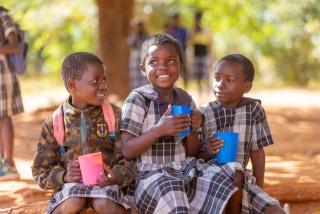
column 55, row 29
column 281, row 37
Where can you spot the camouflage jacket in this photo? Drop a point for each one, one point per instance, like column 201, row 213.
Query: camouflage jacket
column 50, row 163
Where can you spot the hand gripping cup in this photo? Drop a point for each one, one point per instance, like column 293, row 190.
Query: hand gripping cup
column 91, row 165
column 228, row 153
column 175, row 110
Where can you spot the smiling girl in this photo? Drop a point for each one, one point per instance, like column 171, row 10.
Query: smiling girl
column 169, row 179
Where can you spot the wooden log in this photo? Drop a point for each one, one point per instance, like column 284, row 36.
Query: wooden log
column 41, row 207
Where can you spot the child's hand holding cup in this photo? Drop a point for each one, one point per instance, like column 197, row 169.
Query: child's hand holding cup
column 176, row 110
column 228, row 152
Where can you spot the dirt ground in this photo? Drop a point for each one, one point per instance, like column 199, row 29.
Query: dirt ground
column 292, row 164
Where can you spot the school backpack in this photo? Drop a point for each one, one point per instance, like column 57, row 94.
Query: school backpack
column 19, row 59
column 58, row 122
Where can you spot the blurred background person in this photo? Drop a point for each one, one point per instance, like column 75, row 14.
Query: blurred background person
column 135, row 40
column 10, row 96
column 200, row 40
column 180, row 33
column 166, row 28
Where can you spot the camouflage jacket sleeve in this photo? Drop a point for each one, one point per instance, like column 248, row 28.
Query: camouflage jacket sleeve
column 47, row 169
column 124, row 169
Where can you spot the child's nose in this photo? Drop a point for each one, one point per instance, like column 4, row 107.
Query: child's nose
column 220, row 84
column 163, row 65
column 103, row 86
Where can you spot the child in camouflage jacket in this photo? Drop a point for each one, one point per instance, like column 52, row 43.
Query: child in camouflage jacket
column 56, row 167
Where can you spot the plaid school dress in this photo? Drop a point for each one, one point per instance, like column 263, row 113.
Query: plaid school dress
column 10, row 95
column 168, row 181
column 50, row 160
column 201, row 67
column 250, row 121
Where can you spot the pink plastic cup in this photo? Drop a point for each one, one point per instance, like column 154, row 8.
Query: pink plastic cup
column 91, row 165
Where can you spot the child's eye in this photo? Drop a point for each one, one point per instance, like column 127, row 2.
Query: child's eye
column 217, row 78
column 171, row 60
column 153, row 62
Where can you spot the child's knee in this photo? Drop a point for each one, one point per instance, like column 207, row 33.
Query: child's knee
column 238, row 179
column 71, row 205
column 102, row 204
column 275, row 209
column 79, row 202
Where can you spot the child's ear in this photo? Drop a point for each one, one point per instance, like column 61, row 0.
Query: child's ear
column 71, row 84
column 247, row 87
column 143, row 70
column 181, row 67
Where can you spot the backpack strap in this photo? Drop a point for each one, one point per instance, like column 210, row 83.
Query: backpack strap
column 58, row 123
column 109, row 118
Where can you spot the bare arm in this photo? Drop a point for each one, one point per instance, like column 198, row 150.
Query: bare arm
column 204, row 155
column 258, row 165
column 12, row 46
column 133, row 146
column 192, row 144
column 192, row 141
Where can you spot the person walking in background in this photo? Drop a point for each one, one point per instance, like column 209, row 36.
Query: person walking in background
column 10, row 95
column 200, row 39
column 135, row 40
column 56, row 167
column 180, row 33
column 231, row 112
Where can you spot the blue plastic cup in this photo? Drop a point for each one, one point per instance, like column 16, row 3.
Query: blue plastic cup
column 228, row 153
column 175, row 110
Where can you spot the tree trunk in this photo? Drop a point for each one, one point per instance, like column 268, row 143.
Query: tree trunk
column 114, row 28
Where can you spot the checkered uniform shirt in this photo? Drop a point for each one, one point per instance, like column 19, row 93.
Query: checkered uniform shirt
column 249, row 120
column 168, row 181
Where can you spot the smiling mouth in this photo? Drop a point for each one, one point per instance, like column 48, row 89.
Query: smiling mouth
column 102, row 95
column 164, row 76
column 219, row 93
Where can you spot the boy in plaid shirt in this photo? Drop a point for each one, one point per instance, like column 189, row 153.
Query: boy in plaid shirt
column 232, row 112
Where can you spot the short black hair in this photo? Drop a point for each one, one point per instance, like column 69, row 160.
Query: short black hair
column 248, row 68
column 75, row 64
column 198, row 14
column 159, row 39
column 3, row 9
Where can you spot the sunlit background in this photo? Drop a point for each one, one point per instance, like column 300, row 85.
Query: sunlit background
column 281, row 37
